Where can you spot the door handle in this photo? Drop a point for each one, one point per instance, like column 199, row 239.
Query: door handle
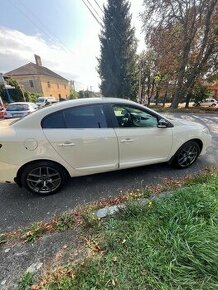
column 127, row 140
column 66, row 144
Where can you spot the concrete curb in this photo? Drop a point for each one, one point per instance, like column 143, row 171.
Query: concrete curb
column 111, row 210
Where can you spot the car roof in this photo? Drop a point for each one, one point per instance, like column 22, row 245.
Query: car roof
column 34, row 120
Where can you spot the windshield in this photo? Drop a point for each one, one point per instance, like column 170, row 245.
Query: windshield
column 40, row 100
column 17, row 107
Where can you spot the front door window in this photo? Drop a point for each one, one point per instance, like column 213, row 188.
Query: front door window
column 129, row 117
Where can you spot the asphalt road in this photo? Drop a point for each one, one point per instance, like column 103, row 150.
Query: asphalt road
column 19, row 208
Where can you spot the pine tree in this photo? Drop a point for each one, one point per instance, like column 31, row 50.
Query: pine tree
column 117, row 64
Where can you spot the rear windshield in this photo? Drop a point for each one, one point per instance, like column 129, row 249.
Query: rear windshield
column 17, row 107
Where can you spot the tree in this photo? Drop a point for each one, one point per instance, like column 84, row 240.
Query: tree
column 195, row 38
column 199, row 93
column 87, row 94
column 148, row 72
column 73, row 94
column 118, row 61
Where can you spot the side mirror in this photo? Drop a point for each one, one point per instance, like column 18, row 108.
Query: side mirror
column 162, row 123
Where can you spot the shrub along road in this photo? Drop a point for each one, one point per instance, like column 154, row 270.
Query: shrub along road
column 20, row 208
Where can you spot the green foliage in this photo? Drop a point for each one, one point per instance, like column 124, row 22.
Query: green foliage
column 33, row 232
column 90, row 220
column 200, row 93
column 171, row 243
column 87, row 94
column 73, row 94
column 17, row 94
column 31, row 97
column 118, row 61
column 64, row 222
column 26, row 281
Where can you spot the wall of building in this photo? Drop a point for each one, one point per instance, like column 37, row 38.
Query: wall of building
column 44, row 85
column 55, row 87
column 31, row 83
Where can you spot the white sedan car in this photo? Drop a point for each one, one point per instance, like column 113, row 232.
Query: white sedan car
column 19, row 109
column 88, row 136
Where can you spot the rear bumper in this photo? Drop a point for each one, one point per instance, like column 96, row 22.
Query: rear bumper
column 8, row 172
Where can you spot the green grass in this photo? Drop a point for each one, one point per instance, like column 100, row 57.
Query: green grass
column 33, row 232
column 169, row 244
column 26, row 281
column 64, row 222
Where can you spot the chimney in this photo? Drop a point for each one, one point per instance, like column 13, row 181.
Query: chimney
column 38, row 60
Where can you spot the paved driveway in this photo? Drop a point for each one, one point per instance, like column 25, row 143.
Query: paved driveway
column 19, row 208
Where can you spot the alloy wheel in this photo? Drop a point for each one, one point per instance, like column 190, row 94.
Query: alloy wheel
column 44, row 179
column 188, row 155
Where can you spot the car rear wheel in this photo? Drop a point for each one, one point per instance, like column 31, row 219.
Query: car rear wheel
column 186, row 155
column 44, row 178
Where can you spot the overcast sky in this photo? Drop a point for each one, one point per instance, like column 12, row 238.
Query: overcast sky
column 62, row 32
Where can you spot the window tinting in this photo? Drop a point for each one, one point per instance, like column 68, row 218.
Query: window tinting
column 85, row 117
column 77, row 117
column 17, row 107
column 54, row 121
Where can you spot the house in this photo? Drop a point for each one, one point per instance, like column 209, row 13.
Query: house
column 214, row 90
column 36, row 78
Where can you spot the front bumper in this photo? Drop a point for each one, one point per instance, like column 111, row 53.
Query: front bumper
column 8, row 172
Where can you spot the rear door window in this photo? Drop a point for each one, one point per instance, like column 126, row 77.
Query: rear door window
column 90, row 116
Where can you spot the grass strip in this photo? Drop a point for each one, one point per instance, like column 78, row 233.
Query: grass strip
column 171, row 243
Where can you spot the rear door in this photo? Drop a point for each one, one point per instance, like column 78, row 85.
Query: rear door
column 82, row 138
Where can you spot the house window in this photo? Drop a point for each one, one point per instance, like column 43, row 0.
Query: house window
column 31, row 83
column 65, row 87
column 49, row 85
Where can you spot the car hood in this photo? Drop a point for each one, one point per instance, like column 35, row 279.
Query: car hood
column 181, row 122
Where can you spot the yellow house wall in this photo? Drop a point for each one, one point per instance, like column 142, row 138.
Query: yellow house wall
column 23, row 81
column 56, row 88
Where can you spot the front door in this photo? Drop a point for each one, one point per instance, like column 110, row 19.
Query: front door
column 140, row 141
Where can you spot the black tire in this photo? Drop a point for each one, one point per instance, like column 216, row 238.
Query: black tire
column 44, row 177
column 186, row 155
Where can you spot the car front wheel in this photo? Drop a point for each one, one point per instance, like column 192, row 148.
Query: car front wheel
column 186, row 155
column 43, row 178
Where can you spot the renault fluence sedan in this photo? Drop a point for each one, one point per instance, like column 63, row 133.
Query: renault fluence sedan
column 87, row 136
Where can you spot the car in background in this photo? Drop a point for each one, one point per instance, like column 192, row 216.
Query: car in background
column 45, row 101
column 95, row 135
column 19, row 110
column 210, row 102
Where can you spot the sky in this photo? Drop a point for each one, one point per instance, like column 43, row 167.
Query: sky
column 62, row 32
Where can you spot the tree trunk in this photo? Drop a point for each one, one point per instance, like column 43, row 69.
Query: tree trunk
column 165, row 98
column 157, row 98
column 188, row 98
